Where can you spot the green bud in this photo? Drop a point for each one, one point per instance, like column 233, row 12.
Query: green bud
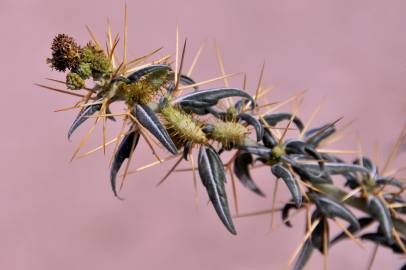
column 100, row 64
column 84, row 70
column 87, row 53
column 278, row 151
column 74, row 81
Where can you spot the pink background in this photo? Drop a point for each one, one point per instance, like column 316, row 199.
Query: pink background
column 61, row 215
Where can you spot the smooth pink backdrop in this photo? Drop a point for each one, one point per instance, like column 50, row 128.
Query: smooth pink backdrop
column 61, row 215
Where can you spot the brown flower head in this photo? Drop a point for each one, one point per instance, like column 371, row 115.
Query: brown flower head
column 65, row 53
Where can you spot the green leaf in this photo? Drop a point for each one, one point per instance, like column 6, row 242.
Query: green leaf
column 251, row 120
column 241, row 170
column 285, row 212
column 136, row 75
column 124, row 151
column 281, row 172
column 315, row 136
column 210, row 97
column 150, row 121
column 211, row 172
column 378, row 210
column 330, row 207
column 274, row 118
column 83, row 116
column 304, row 255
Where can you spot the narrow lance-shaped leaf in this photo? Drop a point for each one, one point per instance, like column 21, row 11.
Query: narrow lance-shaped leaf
column 136, row 75
column 195, row 104
column 285, row 213
column 315, row 136
column 268, row 139
column 211, row 172
column 311, row 173
column 386, row 180
column 187, row 147
column 378, row 210
column 260, row 151
column 304, row 255
column 84, row 115
column 295, row 146
column 300, row 148
column 124, row 151
column 251, row 120
column 281, row 172
column 186, row 80
column 241, row 170
column 314, row 154
column 335, row 168
column 318, row 235
column 274, row 118
column 330, row 207
column 150, row 121
column 212, row 96
column 316, row 240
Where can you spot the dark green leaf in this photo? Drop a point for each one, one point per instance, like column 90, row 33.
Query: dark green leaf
column 124, row 151
column 83, row 116
column 186, row 149
column 285, row 212
column 268, row 139
column 186, row 80
column 304, row 255
column 315, row 136
column 330, row 207
column 260, row 151
column 386, row 180
column 275, row 118
column 308, row 172
column 210, row 97
column 317, row 236
column 378, row 210
column 136, row 75
column 281, row 172
column 336, row 168
column 241, row 170
column 150, row 121
column 295, row 147
column 251, row 120
column 211, row 172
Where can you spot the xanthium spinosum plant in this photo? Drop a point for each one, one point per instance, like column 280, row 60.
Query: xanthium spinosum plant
column 168, row 105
